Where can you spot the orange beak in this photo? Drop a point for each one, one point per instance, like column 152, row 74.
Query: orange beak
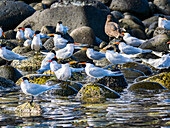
column 55, row 57
column 168, row 42
column 82, row 63
column 3, row 34
column 77, row 44
column 72, row 62
column 50, row 34
column 165, row 19
column 117, row 43
column 103, row 49
column 0, row 47
column 20, row 29
column 34, row 35
column 123, row 33
column 49, row 61
column 84, row 48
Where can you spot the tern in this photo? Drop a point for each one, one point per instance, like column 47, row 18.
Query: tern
column 35, row 89
column 45, row 65
column 27, row 43
column 1, row 32
column 28, row 33
column 8, row 55
column 54, row 65
column 20, row 34
column 61, row 28
column 164, row 23
column 36, row 42
column 97, row 72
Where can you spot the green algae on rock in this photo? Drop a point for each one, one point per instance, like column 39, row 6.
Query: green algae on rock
column 95, row 92
column 163, row 79
column 27, row 110
column 145, row 85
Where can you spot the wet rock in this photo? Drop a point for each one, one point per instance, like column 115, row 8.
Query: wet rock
column 147, row 56
column 10, row 73
column 39, row 6
column 157, row 43
column 138, row 66
column 87, row 16
column 48, row 3
column 154, row 25
column 27, row 110
column 149, row 21
column 145, row 85
column 137, row 7
column 2, row 62
column 138, row 33
column 84, row 35
column 36, row 78
column 117, row 83
column 13, row 11
column 5, row 83
column 152, row 8
column 163, row 6
column 10, row 34
column 106, row 2
column 93, row 92
column 159, row 31
column 117, row 15
column 140, row 78
column 163, row 79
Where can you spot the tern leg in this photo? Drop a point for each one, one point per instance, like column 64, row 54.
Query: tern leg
column 32, row 100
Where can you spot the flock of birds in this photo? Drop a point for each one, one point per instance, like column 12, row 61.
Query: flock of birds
column 128, row 49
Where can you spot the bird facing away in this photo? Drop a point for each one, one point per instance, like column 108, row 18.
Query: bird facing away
column 36, row 42
column 127, row 49
column 97, row 72
column 94, row 55
column 112, row 29
column 8, row 55
column 35, row 89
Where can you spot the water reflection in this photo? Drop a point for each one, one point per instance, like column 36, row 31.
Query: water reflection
column 137, row 109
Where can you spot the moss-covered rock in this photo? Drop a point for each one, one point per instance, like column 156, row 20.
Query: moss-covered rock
column 10, row 73
column 95, row 92
column 163, row 79
column 6, row 83
column 21, row 50
column 28, row 110
column 138, row 66
column 140, row 78
column 145, row 85
column 37, row 78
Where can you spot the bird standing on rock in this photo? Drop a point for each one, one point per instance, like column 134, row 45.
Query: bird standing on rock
column 36, row 42
column 20, row 34
column 164, row 23
column 61, row 28
column 28, row 32
column 9, row 55
column 112, row 29
column 35, row 89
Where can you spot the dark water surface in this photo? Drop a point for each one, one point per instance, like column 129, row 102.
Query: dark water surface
column 140, row 109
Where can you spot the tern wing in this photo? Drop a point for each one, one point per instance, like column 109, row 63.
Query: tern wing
column 97, row 72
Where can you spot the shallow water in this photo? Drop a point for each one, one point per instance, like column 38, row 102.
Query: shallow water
column 139, row 109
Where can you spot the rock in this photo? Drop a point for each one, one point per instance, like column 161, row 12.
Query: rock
column 49, row 44
column 21, row 50
column 106, row 2
column 131, row 73
column 48, row 3
column 152, row 8
column 137, row 7
column 147, row 22
column 10, row 73
column 145, row 85
column 87, row 16
column 138, row 33
column 27, row 110
column 102, row 63
column 147, row 56
column 48, row 29
column 159, row 31
column 117, row 15
column 39, row 6
column 84, row 35
column 12, row 43
column 33, row 4
column 2, row 62
column 36, row 78
column 157, row 43
column 163, row 6
column 149, row 33
column 4, row 83
column 154, row 25
column 140, row 78
column 163, row 79
column 13, row 11
column 138, row 66
column 93, row 92
column 117, row 83
column 10, row 34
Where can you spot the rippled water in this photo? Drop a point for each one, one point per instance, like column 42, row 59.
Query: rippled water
column 139, row 109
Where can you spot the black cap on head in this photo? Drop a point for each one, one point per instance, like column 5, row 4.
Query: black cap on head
column 110, row 48
column 27, row 26
column 54, row 59
column 53, row 51
column 59, row 33
column 60, row 22
column 19, row 27
column 3, row 45
column 37, row 32
column 25, row 78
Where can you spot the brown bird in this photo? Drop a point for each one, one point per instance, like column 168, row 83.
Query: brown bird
column 112, row 29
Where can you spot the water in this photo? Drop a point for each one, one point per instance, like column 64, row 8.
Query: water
column 133, row 109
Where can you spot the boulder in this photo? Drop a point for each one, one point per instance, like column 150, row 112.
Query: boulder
column 138, row 66
column 147, row 56
column 163, row 6
column 138, row 33
column 160, row 31
column 157, row 43
column 10, row 73
column 163, row 79
column 94, row 92
column 4, row 83
column 84, row 35
column 137, row 7
column 39, row 6
column 117, row 15
column 145, row 85
column 140, row 78
column 147, row 22
column 13, row 12
column 48, row 3
column 10, row 34
column 74, row 17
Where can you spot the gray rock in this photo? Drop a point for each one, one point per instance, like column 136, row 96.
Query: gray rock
column 118, row 15
column 157, row 43
column 10, row 73
column 84, row 35
column 83, row 16
column 137, row 7
column 163, row 6
column 149, row 21
column 49, row 44
column 31, row 1
column 159, row 31
column 5, row 83
column 13, row 12
column 106, row 2
column 152, row 7
column 39, row 6
column 140, row 78
column 10, row 34
column 154, row 25
column 48, row 3
column 138, row 33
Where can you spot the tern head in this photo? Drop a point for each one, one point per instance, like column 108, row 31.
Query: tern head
column 53, row 59
column 27, row 26
column 59, row 22
column 53, row 51
column 25, row 79
column 20, row 28
column 2, row 45
column 168, row 42
column 36, row 32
